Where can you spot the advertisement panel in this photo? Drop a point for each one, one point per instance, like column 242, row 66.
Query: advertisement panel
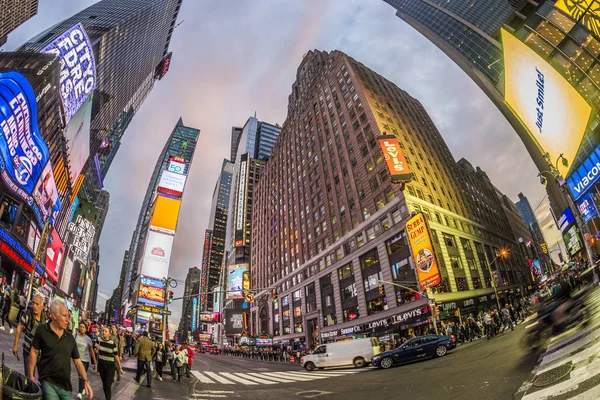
column 163, row 67
column 82, row 231
column 572, row 240
column 13, row 249
column 77, row 68
column 394, row 159
column 54, row 256
column 555, row 114
column 165, row 214
column 422, row 251
column 241, row 202
column 157, row 255
column 585, row 11
column 176, row 165
column 587, row 207
column 235, row 280
column 77, row 135
column 584, row 178
column 171, row 183
column 152, row 321
column 24, row 155
column 566, row 219
column 194, row 314
column 234, row 321
column 151, row 292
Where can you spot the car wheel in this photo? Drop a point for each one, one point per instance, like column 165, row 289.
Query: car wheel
column 309, row 366
column 359, row 362
column 386, row 363
column 441, row 351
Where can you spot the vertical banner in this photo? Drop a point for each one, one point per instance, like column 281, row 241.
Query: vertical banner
column 422, row 251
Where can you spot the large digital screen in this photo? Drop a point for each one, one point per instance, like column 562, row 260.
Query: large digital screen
column 157, row 255
column 585, row 11
column 78, row 139
column 165, row 214
column 234, row 321
column 151, row 295
column 572, row 240
column 194, row 313
column 583, row 178
column 555, row 114
column 82, row 237
column 152, row 321
column 54, row 256
column 176, row 165
column 235, row 280
column 46, row 194
column 77, row 68
column 566, row 219
column 171, row 183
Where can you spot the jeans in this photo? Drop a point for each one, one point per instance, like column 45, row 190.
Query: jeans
column 86, row 365
column 144, row 364
column 180, row 372
column 106, row 369
column 188, row 368
column 159, row 368
column 173, row 369
column 509, row 322
column 53, row 392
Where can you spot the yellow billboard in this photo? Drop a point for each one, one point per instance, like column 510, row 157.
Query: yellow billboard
column 422, row 251
column 555, row 114
column 165, row 214
column 585, row 11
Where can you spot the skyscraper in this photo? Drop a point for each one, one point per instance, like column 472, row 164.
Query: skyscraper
column 126, row 68
column 528, row 216
column 189, row 314
column 236, row 135
column 181, row 143
column 328, row 223
column 13, row 13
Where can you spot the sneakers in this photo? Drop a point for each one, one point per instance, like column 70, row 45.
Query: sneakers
column 11, row 331
column 80, row 396
column 84, row 392
column 160, row 378
column 3, row 328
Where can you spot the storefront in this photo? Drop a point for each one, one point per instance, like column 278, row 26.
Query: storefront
column 465, row 308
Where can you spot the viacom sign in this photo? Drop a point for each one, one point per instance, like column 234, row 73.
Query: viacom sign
column 555, row 114
column 585, row 176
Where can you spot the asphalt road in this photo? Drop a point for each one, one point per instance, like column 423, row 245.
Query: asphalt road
column 481, row 370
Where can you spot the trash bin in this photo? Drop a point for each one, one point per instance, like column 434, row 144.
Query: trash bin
column 16, row 386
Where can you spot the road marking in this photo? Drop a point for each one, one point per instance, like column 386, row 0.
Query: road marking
column 293, row 376
column 201, row 377
column 218, row 378
column 255, row 379
column 591, row 394
column 205, row 395
column 280, row 380
column 237, row 378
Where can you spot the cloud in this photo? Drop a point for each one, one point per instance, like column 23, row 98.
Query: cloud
column 231, row 59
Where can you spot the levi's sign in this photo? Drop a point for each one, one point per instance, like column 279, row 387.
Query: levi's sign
column 394, row 159
column 585, row 176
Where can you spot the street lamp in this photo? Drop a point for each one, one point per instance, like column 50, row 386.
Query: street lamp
column 504, row 253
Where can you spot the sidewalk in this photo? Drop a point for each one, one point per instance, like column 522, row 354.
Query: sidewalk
column 124, row 389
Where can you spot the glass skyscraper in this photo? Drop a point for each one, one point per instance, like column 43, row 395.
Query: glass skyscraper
column 181, row 143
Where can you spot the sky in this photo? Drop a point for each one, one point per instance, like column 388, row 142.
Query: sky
column 232, row 59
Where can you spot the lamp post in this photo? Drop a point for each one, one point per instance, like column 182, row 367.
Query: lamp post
column 504, row 254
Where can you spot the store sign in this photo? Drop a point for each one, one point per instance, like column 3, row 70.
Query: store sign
column 566, row 219
column 572, row 240
column 83, row 232
column 264, row 342
column 586, row 176
column 553, row 111
column 241, row 203
column 171, row 183
column 54, row 256
column 15, row 251
column 422, row 251
column 157, row 255
column 154, row 310
column 77, row 68
column 394, row 159
column 235, row 280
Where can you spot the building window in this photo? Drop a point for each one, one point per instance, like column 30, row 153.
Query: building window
column 471, row 263
column 286, row 301
column 476, row 283
column 298, row 327
column 349, row 292
column 376, row 305
column 369, row 259
column 286, row 315
column 385, row 223
column 466, row 244
column 455, row 262
column 360, row 240
column 329, row 319
column 351, row 313
column 448, row 240
column 345, row 272
column 372, row 281
column 395, row 244
column 8, row 210
column 461, row 284
column 298, row 311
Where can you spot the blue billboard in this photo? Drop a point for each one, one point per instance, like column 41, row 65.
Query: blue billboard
column 77, row 68
column 24, row 155
column 194, row 313
column 587, row 207
column 581, row 180
column 565, row 220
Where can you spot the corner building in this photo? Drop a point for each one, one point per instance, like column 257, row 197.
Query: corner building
column 328, row 224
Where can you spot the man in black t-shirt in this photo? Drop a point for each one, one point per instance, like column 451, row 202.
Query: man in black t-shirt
column 57, row 347
column 29, row 322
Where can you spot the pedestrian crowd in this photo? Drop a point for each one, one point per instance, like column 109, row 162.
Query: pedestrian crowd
column 265, row 354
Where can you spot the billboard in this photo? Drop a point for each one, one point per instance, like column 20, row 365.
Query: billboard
column 24, row 155
column 566, row 219
column 234, row 321
column 77, row 68
column 587, row 207
column 194, row 313
column 77, row 135
column 394, row 159
column 555, row 114
column 153, row 321
column 165, row 214
column 163, row 67
column 157, row 255
column 177, row 165
column 572, row 240
column 54, row 256
column 235, row 280
column 585, row 11
column 171, row 183
column 422, row 251
column 151, row 295
column 584, row 178
column 83, row 232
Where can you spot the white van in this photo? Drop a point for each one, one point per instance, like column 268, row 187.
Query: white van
column 357, row 352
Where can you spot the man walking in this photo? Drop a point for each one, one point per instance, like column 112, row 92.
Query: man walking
column 30, row 320
column 57, row 348
column 506, row 319
column 114, row 336
column 144, row 352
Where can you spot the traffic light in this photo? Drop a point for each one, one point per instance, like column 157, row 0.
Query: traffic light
column 381, row 291
column 436, row 311
column 274, row 295
column 170, row 296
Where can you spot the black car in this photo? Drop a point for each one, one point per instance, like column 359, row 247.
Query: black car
column 415, row 349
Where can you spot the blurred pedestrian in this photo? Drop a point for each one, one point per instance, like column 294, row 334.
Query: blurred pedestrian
column 108, row 360
column 160, row 358
column 144, row 352
column 180, row 362
column 6, row 306
column 85, row 346
column 30, row 320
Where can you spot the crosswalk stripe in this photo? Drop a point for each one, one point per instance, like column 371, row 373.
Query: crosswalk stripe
column 323, row 374
column 256, row 379
column 237, row 378
column 218, row 378
column 200, row 396
column 338, row 372
column 201, row 377
column 292, row 376
column 591, row 394
column 306, row 375
column 280, row 380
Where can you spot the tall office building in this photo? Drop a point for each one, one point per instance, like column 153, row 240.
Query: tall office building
column 190, row 311
column 328, row 224
column 212, row 261
column 181, row 143
column 469, row 33
column 127, row 67
column 528, row 216
column 236, row 136
column 13, row 13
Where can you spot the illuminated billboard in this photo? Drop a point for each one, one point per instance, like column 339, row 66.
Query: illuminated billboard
column 194, row 313
column 585, row 11
column 165, row 214
column 171, row 183
column 572, row 240
column 177, row 165
column 422, row 251
column 77, row 68
column 46, row 195
column 394, row 159
column 153, row 321
column 77, row 135
column 235, row 280
column 54, row 256
column 157, row 255
column 163, row 67
column 82, row 231
column 555, row 114
column 566, row 219
column 583, row 178
column 151, row 292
